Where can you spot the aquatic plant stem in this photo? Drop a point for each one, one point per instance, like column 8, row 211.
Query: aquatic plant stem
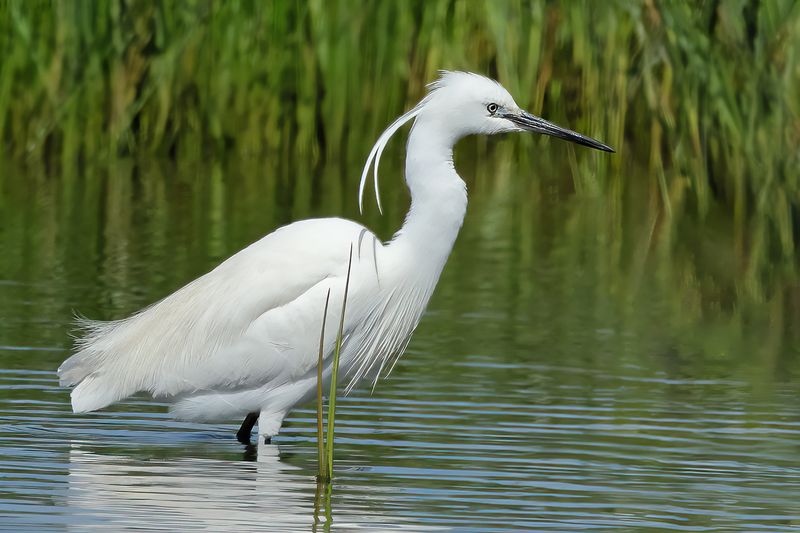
column 335, row 371
column 320, row 431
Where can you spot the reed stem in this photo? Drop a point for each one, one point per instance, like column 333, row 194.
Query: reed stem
column 335, row 371
column 320, row 429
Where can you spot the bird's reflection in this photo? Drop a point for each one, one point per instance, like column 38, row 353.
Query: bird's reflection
column 157, row 485
column 184, row 493
column 250, row 452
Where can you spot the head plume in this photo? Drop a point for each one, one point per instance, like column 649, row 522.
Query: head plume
column 449, row 80
column 374, row 158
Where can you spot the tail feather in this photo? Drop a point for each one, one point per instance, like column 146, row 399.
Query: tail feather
column 94, row 393
column 171, row 348
column 86, row 371
column 73, row 370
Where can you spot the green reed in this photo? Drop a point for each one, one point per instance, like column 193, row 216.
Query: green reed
column 702, row 96
column 321, row 455
column 325, row 445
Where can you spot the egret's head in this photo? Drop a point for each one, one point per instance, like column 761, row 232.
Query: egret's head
column 460, row 104
column 472, row 104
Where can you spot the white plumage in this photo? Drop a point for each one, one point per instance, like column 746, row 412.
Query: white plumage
column 243, row 338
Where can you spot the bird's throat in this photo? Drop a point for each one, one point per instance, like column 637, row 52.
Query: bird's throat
column 438, row 195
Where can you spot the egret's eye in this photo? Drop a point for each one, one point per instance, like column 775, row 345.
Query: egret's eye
column 491, row 108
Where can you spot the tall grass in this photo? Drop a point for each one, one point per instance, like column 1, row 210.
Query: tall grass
column 702, row 95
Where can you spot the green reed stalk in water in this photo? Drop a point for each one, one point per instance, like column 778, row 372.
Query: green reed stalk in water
column 320, row 431
column 335, row 372
column 326, row 459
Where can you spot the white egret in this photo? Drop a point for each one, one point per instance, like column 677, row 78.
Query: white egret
column 242, row 340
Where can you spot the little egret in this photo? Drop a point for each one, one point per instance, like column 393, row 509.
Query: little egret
column 243, row 339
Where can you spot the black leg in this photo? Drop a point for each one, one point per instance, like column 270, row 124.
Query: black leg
column 243, row 435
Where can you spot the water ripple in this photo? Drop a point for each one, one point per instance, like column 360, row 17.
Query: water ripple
column 408, row 460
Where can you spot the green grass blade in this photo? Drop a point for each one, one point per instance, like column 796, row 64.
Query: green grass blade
column 320, row 434
column 335, row 371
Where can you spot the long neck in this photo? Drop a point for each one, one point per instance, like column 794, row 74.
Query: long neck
column 438, row 195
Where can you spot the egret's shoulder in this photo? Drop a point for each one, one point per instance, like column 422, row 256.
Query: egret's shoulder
column 319, row 241
column 315, row 234
column 332, row 226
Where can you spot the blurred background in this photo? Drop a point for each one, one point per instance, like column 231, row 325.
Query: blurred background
column 142, row 142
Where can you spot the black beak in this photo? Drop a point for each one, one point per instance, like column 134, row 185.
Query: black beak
column 530, row 122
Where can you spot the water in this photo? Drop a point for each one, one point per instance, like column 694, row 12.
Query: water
column 565, row 377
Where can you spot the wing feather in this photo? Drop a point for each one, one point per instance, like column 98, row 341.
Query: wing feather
column 196, row 338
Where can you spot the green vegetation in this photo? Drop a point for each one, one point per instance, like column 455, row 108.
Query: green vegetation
column 321, row 456
column 325, row 446
column 335, row 373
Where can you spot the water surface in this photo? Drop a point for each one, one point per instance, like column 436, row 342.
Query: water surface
column 570, row 373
